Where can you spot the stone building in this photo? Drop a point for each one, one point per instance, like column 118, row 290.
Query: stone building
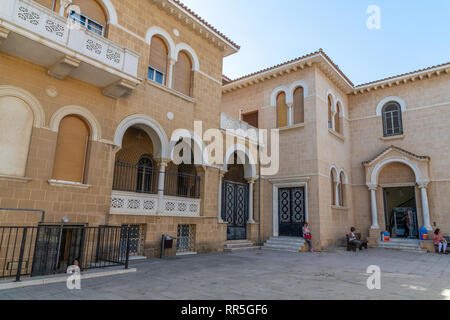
column 374, row 156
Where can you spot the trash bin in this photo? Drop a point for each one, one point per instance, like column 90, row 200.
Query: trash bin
column 166, row 243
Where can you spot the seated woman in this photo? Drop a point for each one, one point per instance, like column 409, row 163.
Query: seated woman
column 355, row 239
column 439, row 241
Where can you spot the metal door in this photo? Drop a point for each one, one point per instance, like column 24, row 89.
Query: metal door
column 235, row 209
column 291, row 211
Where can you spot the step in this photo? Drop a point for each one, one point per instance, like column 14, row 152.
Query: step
column 238, row 245
column 299, row 242
column 238, row 249
column 288, row 249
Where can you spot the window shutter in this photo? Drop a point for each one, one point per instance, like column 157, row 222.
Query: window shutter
column 281, row 110
column 71, row 150
column 299, row 106
column 91, row 9
column 159, row 55
column 183, row 74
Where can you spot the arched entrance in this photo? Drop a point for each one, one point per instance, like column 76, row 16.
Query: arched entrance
column 236, row 193
column 396, row 178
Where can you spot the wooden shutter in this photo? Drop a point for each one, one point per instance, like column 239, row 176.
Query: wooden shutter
column 183, row 74
column 281, row 110
column 46, row 3
column 337, row 119
column 92, row 9
column 251, row 118
column 299, row 106
column 71, row 150
column 159, row 55
column 330, row 114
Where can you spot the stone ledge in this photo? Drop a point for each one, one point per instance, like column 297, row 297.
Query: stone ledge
column 336, row 134
column 60, row 183
column 295, row 126
column 15, row 179
column 401, row 137
column 171, row 91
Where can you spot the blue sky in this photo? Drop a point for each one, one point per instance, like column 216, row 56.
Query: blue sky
column 414, row 34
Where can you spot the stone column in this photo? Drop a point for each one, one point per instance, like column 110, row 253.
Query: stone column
column 425, row 206
column 162, row 175
column 251, row 182
column 170, row 72
column 373, row 199
column 63, row 5
column 290, row 114
column 219, row 208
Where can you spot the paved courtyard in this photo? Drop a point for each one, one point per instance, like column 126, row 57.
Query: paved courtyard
column 265, row 275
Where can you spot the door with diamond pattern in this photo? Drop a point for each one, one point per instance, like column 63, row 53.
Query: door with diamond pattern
column 291, row 211
column 235, row 209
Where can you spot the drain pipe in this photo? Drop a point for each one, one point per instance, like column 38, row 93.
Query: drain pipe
column 27, row 210
column 259, row 194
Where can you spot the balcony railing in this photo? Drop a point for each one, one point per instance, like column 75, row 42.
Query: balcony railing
column 182, row 185
column 71, row 47
column 240, row 128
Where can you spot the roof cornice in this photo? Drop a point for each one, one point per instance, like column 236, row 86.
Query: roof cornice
column 332, row 71
column 190, row 19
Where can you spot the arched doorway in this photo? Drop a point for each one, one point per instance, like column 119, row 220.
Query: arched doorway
column 235, row 200
column 397, row 181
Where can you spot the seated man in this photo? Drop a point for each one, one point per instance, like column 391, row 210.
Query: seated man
column 355, row 239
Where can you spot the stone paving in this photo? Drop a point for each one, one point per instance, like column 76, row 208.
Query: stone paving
column 263, row 275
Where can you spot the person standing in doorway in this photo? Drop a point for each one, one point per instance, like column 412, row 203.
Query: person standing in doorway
column 307, row 236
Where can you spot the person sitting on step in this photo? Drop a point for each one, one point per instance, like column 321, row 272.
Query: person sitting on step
column 355, row 239
column 440, row 242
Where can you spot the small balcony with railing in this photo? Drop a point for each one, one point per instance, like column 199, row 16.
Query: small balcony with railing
column 238, row 128
column 67, row 43
column 143, row 189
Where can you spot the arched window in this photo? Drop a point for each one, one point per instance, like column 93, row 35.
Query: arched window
column 333, row 186
column 159, row 55
column 71, row 150
column 183, row 74
column 299, row 106
column 392, row 119
column 330, row 112
column 16, row 122
column 145, row 175
column 88, row 13
column 342, row 189
column 281, row 110
column 337, row 118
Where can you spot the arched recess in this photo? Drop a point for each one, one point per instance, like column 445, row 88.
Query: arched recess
column 190, row 52
column 385, row 101
column 276, row 92
column 29, row 99
column 299, row 105
column 244, row 157
column 193, row 140
column 282, row 110
column 94, row 125
column 163, row 34
column 377, row 169
column 295, row 86
column 151, row 127
column 334, row 180
column 182, row 81
column 343, row 181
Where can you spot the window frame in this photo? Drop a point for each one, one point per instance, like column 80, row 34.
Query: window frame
column 152, row 70
column 86, row 22
column 397, row 114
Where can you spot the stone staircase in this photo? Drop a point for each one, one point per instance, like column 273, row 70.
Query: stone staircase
column 402, row 244
column 239, row 245
column 285, row 244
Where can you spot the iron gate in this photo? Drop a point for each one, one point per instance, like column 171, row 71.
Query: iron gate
column 50, row 249
column 291, row 211
column 235, row 209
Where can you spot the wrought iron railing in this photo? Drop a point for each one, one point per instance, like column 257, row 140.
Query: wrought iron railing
column 135, row 178
column 144, row 179
column 182, row 185
column 51, row 249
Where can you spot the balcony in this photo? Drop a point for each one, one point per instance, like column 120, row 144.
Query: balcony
column 135, row 192
column 37, row 34
column 239, row 128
